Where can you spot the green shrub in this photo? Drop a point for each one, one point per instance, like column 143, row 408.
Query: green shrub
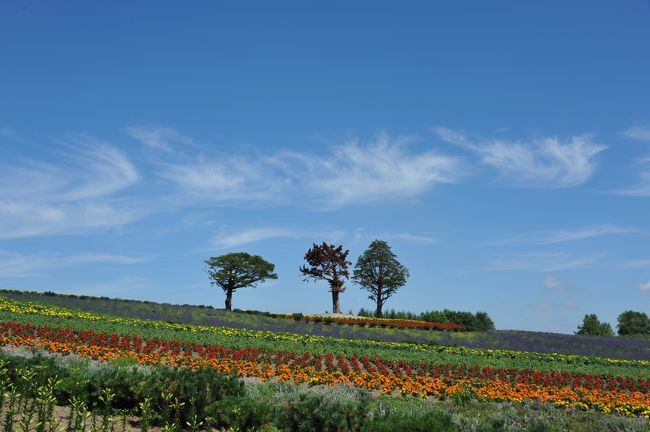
column 480, row 321
column 330, row 410
column 493, row 425
column 198, row 390
column 30, row 372
column 540, row 425
column 418, row 421
column 241, row 413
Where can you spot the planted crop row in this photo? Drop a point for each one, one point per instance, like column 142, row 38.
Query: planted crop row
column 29, row 334
column 231, row 337
column 603, row 393
column 613, row 347
column 237, row 338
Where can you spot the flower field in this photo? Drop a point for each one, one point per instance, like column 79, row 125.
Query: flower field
column 419, row 371
column 605, row 393
column 237, row 338
column 510, row 340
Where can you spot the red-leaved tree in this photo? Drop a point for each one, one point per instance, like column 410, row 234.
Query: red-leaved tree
column 328, row 262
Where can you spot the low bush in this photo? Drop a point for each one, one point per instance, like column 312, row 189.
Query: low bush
column 190, row 391
column 198, row 391
column 243, row 413
column 330, row 410
column 419, row 421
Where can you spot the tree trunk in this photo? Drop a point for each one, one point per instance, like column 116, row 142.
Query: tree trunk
column 379, row 304
column 336, row 307
column 378, row 313
column 228, row 299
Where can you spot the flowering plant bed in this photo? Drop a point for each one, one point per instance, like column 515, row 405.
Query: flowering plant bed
column 382, row 322
column 364, row 321
column 624, row 395
column 389, row 368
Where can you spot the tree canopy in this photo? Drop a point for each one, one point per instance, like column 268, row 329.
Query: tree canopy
column 328, row 262
column 593, row 327
column 479, row 321
column 378, row 271
column 238, row 270
column 633, row 323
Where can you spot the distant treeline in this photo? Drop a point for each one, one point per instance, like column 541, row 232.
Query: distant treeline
column 480, row 321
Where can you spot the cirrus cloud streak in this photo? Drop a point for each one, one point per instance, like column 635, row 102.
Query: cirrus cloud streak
column 547, row 162
column 384, row 170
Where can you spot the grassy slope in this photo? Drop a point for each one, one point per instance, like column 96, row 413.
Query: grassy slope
column 616, row 347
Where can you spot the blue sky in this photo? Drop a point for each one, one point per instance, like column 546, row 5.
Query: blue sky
column 501, row 148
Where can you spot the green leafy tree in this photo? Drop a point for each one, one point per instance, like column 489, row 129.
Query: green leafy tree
column 482, row 322
column 633, row 323
column 593, row 327
column 238, row 270
column 330, row 263
column 378, row 271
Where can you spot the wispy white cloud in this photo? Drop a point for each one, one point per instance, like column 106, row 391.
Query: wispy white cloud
column 104, row 170
column 229, row 240
column 157, row 137
column 413, row 238
column 551, row 283
column 14, row 265
column 220, row 178
column 541, row 262
column 645, row 286
column 562, row 236
column 94, row 170
column 361, row 234
column 10, row 134
column 385, row 169
column 546, row 162
column 26, row 220
column 585, row 233
column 641, row 189
column 638, row 133
column 638, row 263
column 227, row 179
column 40, row 198
column 226, row 241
